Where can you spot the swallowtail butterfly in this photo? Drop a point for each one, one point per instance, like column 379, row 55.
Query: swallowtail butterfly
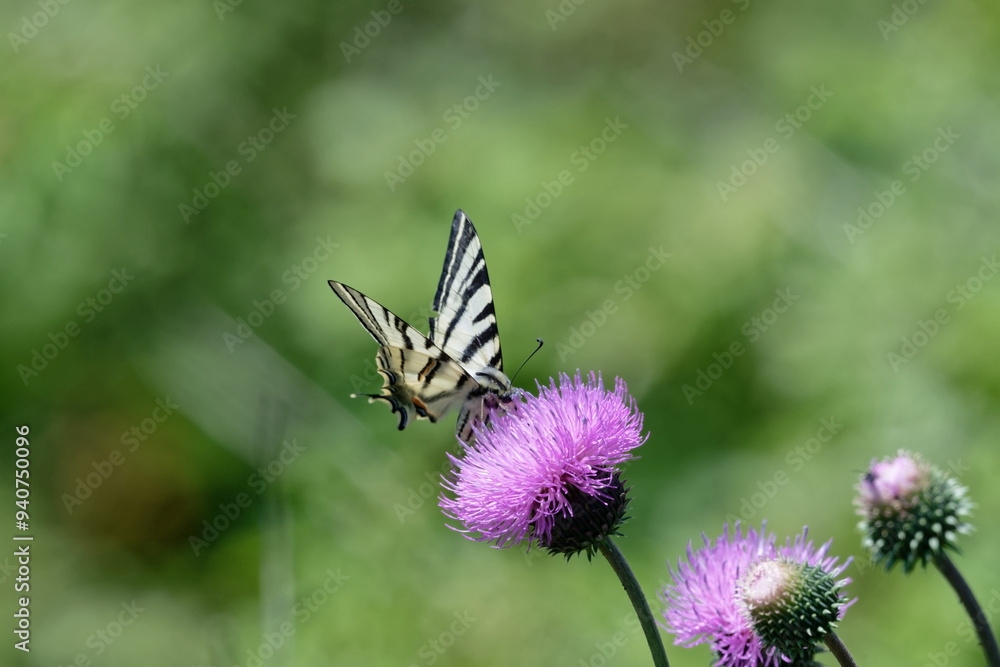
column 460, row 364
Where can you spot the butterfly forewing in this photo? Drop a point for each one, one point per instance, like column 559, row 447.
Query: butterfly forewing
column 466, row 324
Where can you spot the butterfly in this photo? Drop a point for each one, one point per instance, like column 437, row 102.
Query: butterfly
column 459, row 364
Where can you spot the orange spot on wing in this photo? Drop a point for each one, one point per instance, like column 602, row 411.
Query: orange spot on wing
column 431, row 363
column 421, row 406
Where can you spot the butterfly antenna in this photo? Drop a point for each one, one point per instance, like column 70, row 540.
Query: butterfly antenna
column 540, row 343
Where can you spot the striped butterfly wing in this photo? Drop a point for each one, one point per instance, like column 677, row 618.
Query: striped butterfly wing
column 420, row 379
column 465, row 326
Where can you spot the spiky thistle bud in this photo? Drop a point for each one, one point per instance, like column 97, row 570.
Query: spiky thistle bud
column 790, row 605
column 911, row 511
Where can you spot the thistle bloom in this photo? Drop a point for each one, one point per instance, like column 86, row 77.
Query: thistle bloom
column 745, row 597
column 893, row 482
column 911, row 511
column 548, row 470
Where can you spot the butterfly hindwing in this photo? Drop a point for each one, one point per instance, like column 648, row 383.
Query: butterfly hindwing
column 420, row 379
column 419, row 384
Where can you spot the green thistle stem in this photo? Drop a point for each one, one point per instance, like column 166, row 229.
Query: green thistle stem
column 838, row 650
column 631, row 586
column 986, row 638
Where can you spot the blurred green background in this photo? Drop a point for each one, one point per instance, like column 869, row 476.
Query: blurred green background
column 215, row 153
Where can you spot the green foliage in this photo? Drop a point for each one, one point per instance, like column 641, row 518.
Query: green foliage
column 762, row 216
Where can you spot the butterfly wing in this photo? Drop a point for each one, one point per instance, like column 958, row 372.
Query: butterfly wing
column 420, row 379
column 460, row 364
column 466, row 324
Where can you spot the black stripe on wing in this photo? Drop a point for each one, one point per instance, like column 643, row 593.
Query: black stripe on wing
column 482, row 339
column 465, row 285
column 355, row 300
column 469, row 287
column 462, row 235
column 387, row 328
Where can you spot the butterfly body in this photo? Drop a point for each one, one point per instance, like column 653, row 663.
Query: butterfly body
column 459, row 365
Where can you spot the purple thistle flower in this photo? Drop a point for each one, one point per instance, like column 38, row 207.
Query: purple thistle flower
column 549, row 463
column 707, row 601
